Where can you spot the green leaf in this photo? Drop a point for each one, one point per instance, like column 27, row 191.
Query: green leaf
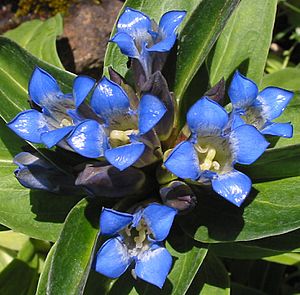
column 197, row 38
column 16, row 66
column 271, row 209
column 39, row 38
column 74, row 250
column 12, row 240
column 287, row 78
column 275, row 164
column 187, row 259
column 244, row 43
column 238, row 289
column 211, row 279
column 285, row 259
column 43, row 280
column 18, row 278
column 155, row 9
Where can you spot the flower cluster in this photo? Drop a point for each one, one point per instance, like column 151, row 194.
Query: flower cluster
column 121, row 132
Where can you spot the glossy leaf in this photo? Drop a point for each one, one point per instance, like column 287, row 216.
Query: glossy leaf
column 211, row 279
column 74, row 250
column 15, row 74
column 275, row 164
column 244, row 43
column 43, row 280
column 195, row 43
column 287, row 78
column 271, row 209
column 39, row 38
column 155, row 10
column 285, row 259
column 35, row 213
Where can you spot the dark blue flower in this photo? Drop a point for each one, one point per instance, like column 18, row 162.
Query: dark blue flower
column 138, row 36
column 124, row 126
column 259, row 108
column 137, row 238
column 211, row 151
column 58, row 111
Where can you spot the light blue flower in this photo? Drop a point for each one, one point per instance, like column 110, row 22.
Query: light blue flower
column 124, row 126
column 259, row 108
column 137, row 238
column 58, row 111
column 138, row 37
column 211, row 151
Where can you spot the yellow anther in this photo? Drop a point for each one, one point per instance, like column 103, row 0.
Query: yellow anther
column 216, row 165
column 200, row 149
column 208, row 160
column 65, row 122
column 118, row 138
column 127, row 231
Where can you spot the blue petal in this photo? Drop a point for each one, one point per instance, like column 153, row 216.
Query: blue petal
column 168, row 24
column 132, row 21
column 242, row 91
column 237, row 121
column 151, row 110
column 247, row 143
column 126, row 44
column 164, row 45
column 112, row 259
column 274, row 101
column 170, row 21
column 183, row 161
column 51, row 138
column 234, row 186
column 109, row 100
column 278, row 129
column 159, row 219
column 29, row 125
column 154, row 265
column 82, row 85
column 124, row 156
column 206, row 117
column 112, row 221
column 42, row 86
column 88, row 139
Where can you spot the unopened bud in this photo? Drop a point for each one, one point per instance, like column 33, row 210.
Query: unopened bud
column 108, row 181
column 178, row 195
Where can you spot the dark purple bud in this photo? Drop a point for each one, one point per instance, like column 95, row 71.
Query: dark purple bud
column 157, row 85
column 108, row 181
column 139, row 75
column 117, row 78
column 178, row 195
column 217, row 92
column 35, row 172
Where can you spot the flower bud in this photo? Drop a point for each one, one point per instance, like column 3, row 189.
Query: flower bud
column 108, row 181
column 178, row 195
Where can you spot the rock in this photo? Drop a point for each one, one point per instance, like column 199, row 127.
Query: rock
column 87, row 28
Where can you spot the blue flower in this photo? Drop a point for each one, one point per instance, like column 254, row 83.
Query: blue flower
column 138, row 37
column 58, row 111
column 137, row 238
column 259, row 108
column 125, row 127
column 211, row 151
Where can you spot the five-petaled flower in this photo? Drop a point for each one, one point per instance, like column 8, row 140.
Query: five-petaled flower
column 137, row 238
column 139, row 37
column 124, row 127
column 58, row 112
column 259, row 108
column 212, row 150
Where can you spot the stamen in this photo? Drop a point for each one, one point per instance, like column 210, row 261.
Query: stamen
column 65, row 122
column 128, row 231
column 200, row 149
column 118, row 138
column 216, row 165
column 208, row 161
